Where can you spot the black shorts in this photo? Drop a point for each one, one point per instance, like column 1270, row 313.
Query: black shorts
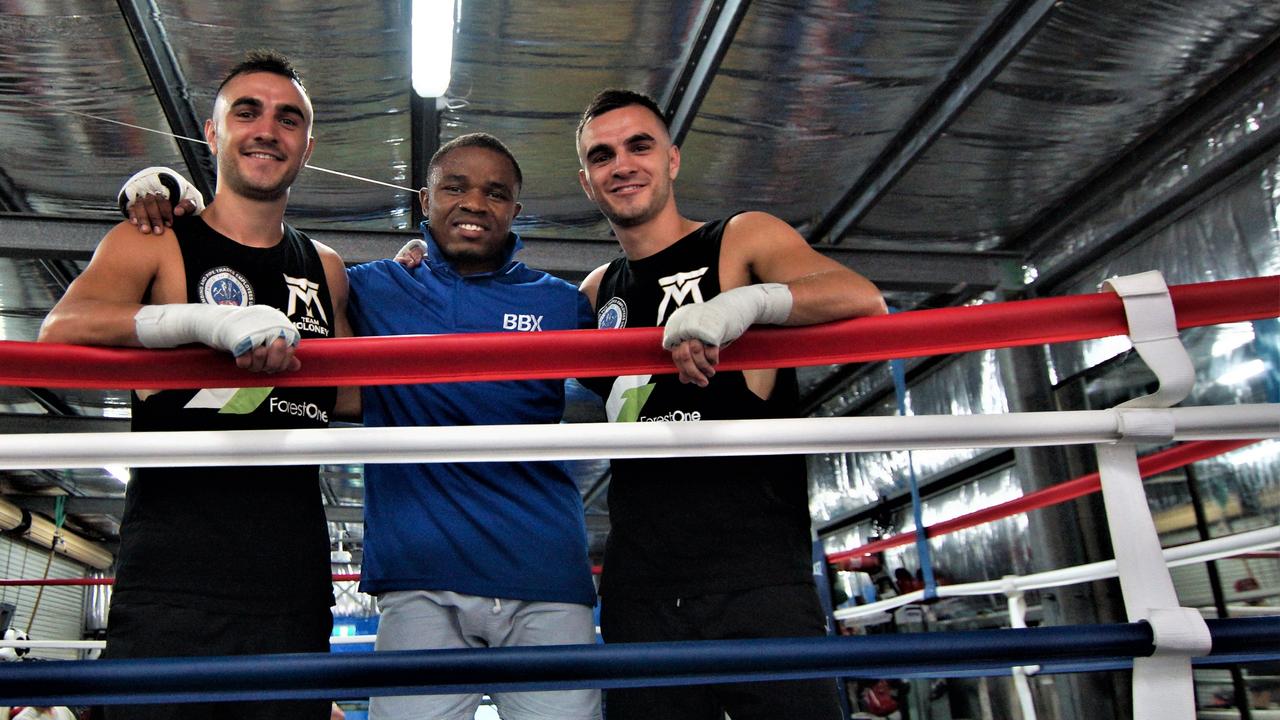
column 769, row 612
column 147, row 629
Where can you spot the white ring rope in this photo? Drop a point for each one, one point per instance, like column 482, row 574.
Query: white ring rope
column 99, row 644
column 1189, row 554
column 580, row 441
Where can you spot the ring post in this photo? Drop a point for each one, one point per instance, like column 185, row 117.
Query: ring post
column 1162, row 683
column 1018, row 619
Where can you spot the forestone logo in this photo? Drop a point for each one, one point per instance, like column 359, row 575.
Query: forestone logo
column 675, row 416
column 311, row 411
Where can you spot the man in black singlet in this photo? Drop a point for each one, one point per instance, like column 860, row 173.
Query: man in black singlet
column 223, row 560
column 704, row 548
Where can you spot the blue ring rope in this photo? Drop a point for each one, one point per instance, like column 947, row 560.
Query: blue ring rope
column 265, row 677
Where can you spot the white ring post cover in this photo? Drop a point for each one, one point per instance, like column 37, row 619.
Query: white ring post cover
column 1162, row 683
column 1153, row 330
column 1018, row 619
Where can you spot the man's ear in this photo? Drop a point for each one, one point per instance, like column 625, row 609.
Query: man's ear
column 211, row 135
column 311, row 146
column 586, row 186
column 424, row 200
column 519, row 207
column 673, row 161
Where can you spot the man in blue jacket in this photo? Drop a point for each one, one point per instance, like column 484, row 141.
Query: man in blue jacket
column 465, row 555
column 472, row 554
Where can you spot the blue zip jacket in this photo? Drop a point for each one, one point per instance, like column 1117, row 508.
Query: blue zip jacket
column 497, row 529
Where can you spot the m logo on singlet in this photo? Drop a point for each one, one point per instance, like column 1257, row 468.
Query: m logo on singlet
column 679, row 287
column 302, row 290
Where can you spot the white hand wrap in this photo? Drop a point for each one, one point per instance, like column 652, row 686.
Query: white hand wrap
column 225, row 327
column 406, row 253
column 159, row 181
column 723, row 318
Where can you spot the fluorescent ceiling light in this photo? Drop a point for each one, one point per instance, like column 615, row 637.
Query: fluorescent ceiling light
column 1231, row 337
column 432, row 24
column 1263, row 452
column 1242, row 372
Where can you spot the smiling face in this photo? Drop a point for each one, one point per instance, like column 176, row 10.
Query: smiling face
column 470, row 201
column 261, row 135
column 628, row 165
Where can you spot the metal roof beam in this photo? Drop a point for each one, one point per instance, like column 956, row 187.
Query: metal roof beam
column 29, row 236
column 1243, row 86
column 970, row 74
column 61, row 271
column 50, row 402
column 115, row 506
column 171, row 89
column 43, row 237
column 17, row 423
column 681, row 101
column 11, row 198
column 344, row 513
column 74, row 505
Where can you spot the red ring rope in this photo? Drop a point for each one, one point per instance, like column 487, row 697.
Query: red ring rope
column 1148, row 466
column 585, row 353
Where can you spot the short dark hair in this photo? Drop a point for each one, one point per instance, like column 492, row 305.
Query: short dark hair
column 263, row 60
column 480, row 140
column 613, row 99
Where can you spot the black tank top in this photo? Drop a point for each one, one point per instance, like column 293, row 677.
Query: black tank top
column 692, row 526
column 248, row 539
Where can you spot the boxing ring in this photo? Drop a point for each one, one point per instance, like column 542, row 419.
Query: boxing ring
column 1161, row 642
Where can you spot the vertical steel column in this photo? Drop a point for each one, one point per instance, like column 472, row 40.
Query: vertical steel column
column 424, row 123
column 1063, row 536
column 171, row 89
